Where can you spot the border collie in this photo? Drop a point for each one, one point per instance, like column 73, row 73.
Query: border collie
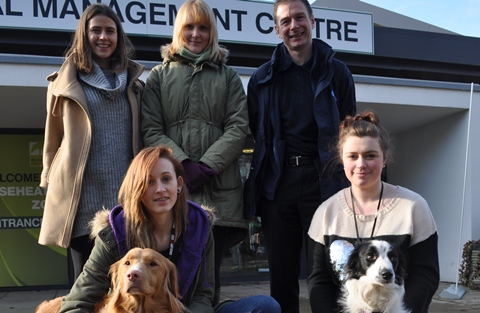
column 374, row 279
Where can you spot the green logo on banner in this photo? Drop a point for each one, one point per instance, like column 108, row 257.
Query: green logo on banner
column 36, row 148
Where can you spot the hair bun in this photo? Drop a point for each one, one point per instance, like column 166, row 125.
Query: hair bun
column 368, row 116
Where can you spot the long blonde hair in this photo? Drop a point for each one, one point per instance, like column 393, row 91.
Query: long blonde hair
column 139, row 226
column 200, row 12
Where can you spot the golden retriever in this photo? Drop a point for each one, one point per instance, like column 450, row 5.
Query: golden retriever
column 143, row 281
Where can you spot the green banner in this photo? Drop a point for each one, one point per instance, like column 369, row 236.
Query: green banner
column 23, row 262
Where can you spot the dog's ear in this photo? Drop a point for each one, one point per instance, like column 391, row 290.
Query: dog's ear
column 399, row 280
column 171, row 288
column 352, row 267
column 401, row 270
column 114, row 275
column 116, row 284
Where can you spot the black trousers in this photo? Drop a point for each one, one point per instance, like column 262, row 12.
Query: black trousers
column 79, row 251
column 285, row 223
column 225, row 238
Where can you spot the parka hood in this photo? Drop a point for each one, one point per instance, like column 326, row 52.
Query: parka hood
column 102, row 220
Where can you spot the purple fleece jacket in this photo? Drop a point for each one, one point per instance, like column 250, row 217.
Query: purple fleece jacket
column 192, row 246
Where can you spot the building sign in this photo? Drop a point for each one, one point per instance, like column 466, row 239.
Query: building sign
column 240, row 21
column 23, row 262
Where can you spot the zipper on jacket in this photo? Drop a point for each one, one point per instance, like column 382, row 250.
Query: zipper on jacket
column 196, row 68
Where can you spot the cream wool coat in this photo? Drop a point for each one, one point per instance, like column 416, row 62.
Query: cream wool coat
column 66, row 147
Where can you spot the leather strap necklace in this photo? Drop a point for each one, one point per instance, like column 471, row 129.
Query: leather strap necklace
column 376, row 213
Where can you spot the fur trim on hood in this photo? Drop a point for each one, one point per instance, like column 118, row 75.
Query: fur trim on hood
column 101, row 220
column 210, row 213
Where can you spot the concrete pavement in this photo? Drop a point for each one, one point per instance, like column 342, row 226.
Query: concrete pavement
column 469, row 303
column 26, row 301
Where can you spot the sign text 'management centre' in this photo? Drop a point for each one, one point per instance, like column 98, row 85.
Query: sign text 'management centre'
column 249, row 22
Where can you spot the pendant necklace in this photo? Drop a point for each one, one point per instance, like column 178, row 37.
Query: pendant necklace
column 376, row 213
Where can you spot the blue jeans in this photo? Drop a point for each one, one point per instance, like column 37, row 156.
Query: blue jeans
column 253, row 304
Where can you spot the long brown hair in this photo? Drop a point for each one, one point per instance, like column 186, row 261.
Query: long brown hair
column 139, row 227
column 81, row 51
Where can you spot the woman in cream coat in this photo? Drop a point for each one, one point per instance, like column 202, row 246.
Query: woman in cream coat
column 91, row 131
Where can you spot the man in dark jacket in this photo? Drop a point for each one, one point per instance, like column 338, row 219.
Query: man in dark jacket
column 296, row 102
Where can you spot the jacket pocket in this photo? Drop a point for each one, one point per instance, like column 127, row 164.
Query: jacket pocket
column 227, row 186
column 54, row 165
column 228, row 179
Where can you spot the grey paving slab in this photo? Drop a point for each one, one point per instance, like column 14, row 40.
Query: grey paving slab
column 27, row 301
column 469, row 303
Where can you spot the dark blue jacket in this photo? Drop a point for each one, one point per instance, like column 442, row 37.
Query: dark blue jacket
column 334, row 98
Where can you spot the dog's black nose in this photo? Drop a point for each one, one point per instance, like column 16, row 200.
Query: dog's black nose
column 386, row 274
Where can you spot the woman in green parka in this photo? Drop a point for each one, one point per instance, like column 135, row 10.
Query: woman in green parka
column 196, row 104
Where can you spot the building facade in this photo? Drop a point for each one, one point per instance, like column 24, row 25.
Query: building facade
column 421, row 80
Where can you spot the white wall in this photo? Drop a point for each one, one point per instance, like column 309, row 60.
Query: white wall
column 430, row 161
